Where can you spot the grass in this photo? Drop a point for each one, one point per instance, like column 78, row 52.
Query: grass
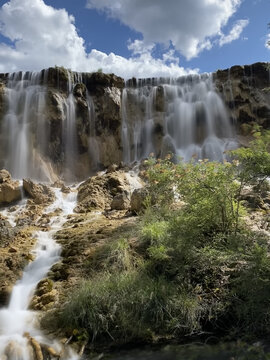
column 131, row 306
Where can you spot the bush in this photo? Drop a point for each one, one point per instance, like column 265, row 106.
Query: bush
column 251, row 293
column 129, row 306
column 209, row 192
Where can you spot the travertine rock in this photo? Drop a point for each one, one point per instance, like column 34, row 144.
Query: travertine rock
column 9, row 189
column 39, row 193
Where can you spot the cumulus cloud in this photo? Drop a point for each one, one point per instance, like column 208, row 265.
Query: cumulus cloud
column 138, row 47
column 235, row 32
column 190, row 26
column 43, row 36
column 267, row 42
column 142, row 66
column 40, row 35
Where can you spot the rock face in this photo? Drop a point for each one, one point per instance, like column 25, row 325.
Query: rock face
column 97, row 119
column 246, row 92
column 10, row 190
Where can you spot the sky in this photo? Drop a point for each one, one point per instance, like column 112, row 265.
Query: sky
column 140, row 38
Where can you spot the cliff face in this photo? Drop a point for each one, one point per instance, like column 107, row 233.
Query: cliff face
column 57, row 122
column 97, row 101
column 246, row 92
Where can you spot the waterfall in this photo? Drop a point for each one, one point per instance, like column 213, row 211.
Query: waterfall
column 25, row 102
column 69, row 131
column 93, row 148
column 35, row 111
column 183, row 116
column 52, row 125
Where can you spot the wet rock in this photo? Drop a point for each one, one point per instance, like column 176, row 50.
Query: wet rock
column 59, row 271
column 5, row 292
column 10, row 190
column 112, row 168
column 60, row 184
column 37, row 349
column 4, row 176
column 14, row 256
column 45, row 296
column 43, row 287
column 52, row 353
column 13, row 350
column 45, row 301
column 39, row 193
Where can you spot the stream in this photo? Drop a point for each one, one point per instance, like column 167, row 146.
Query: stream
column 18, row 324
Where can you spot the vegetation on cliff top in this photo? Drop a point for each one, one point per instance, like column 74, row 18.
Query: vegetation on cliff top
column 195, row 268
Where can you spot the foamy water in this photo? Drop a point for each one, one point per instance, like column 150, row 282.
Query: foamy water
column 16, row 320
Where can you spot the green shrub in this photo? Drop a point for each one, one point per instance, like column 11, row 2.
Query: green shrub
column 129, row 306
column 251, row 293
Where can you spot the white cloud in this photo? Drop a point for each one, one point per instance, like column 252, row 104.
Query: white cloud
column 142, row 66
column 190, row 26
column 267, row 42
column 43, row 36
column 235, row 32
column 138, row 47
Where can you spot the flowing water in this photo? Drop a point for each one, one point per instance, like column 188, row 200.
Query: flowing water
column 17, row 322
column 184, row 116
column 25, row 102
column 31, row 136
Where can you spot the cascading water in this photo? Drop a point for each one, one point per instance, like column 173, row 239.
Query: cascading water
column 93, row 148
column 69, row 130
column 30, row 133
column 185, row 117
column 25, row 101
column 17, row 323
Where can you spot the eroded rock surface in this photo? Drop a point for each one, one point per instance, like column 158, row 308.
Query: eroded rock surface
column 246, row 92
column 10, row 190
column 105, row 192
column 39, row 193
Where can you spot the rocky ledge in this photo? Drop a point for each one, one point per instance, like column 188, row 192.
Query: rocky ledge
column 246, row 92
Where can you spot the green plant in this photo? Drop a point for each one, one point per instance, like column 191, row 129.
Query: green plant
column 130, row 305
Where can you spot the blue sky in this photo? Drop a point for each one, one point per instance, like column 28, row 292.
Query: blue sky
column 133, row 37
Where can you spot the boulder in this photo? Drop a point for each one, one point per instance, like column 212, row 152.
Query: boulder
column 10, row 190
column 7, row 233
column 39, row 193
column 121, row 201
column 138, row 197
column 110, row 191
column 4, row 176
